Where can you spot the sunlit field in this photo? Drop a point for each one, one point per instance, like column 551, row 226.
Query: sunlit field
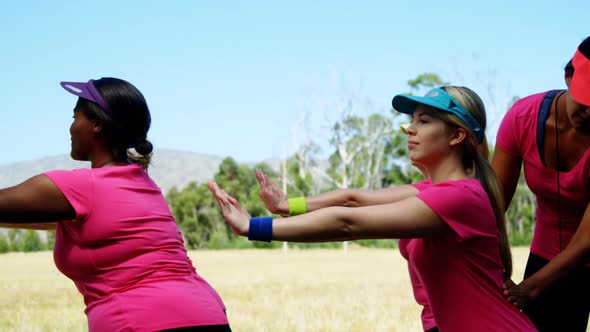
column 264, row 290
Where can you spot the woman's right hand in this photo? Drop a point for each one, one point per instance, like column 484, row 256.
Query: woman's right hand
column 235, row 216
column 274, row 198
column 519, row 295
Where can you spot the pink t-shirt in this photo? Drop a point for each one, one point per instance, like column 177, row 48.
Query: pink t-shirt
column 517, row 136
column 405, row 246
column 461, row 272
column 126, row 255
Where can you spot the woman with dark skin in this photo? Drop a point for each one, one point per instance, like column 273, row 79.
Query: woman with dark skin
column 115, row 235
column 549, row 133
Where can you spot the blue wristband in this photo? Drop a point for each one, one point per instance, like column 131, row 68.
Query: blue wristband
column 260, row 229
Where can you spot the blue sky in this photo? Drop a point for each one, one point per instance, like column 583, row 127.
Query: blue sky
column 230, row 78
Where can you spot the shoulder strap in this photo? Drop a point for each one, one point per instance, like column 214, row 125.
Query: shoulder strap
column 544, row 111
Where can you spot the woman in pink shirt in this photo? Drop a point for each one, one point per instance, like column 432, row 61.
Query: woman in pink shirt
column 115, row 235
column 459, row 248
column 428, row 323
column 549, row 133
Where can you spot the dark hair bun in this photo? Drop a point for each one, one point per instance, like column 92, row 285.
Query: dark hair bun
column 584, row 47
column 144, row 148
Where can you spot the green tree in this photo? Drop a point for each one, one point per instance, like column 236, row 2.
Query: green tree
column 297, row 171
column 240, row 182
column 191, row 208
column 520, row 216
column 4, row 244
column 197, row 213
column 50, row 240
column 361, row 149
column 32, row 241
column 237, row 181
column 15, row 236
column 347, row 146
column 425, row 81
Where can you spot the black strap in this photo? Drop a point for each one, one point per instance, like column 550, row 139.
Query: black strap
column 544, row 112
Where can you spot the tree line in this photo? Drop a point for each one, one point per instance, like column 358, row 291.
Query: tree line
column 365, row 151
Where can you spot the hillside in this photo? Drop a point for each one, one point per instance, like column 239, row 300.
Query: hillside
column 169, row 168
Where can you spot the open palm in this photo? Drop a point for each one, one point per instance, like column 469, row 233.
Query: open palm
column 274, row 198
column 235, row 216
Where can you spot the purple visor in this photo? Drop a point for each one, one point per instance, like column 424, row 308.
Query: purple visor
column 87, row 91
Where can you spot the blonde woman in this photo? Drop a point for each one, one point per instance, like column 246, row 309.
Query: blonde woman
column 460, row 251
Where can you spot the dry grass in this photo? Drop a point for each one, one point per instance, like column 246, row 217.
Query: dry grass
column 264, row 290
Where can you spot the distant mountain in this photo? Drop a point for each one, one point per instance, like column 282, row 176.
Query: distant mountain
column 169, row 168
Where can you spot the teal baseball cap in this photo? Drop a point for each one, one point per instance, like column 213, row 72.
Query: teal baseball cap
column 442, row 100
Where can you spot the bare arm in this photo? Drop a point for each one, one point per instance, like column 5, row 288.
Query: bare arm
column 276, row 202
column 575, row 255
column 46, row 226
column 360, row 197
column 35, row 201
column 507, row 169
column 406, row 218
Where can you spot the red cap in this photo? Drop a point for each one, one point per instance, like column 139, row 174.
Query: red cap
column 580, row 84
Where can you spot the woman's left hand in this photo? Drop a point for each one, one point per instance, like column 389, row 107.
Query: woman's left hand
column 518, row 295
column 235, row 216
column 274, row 199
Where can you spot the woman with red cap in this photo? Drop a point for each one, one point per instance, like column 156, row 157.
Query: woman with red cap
column 460, row 251
column 115, row 235
column 549, row 133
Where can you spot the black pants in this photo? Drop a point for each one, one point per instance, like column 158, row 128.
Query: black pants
column 434, row 329
column 563, row 307
column 207, row 328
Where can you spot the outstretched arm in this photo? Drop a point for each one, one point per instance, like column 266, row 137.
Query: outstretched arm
column 45, row 226
column 35, row 201
column 574, row 256
column 276, row 201
column 406, row 218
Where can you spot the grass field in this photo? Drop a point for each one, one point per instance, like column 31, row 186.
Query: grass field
column 264, row 290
